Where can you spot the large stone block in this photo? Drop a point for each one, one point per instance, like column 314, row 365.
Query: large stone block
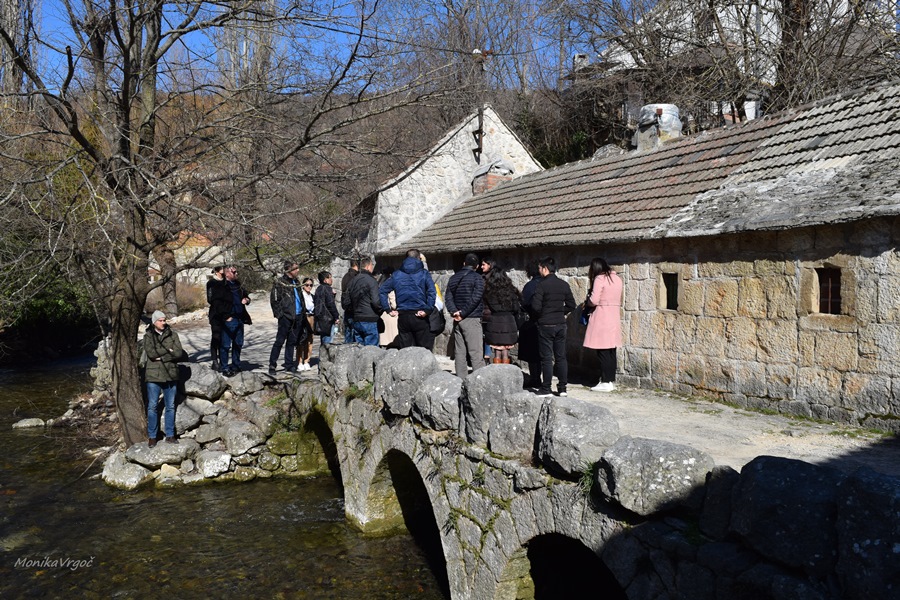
column 483, row 391
column 740, row 334
column 647, row 476
column 120, row 473
column 163, row 453
column 751, row 298
column 573, row 434
column 362, row 368
column 245, row 383
column 777, row 341
column 212, row 463
column 240, row 436
column 512, row 428
column 781, row 297
column 786, row 510
column 204, row 382
column 721, row 298
column 185, row 418
column 436, row 403
column 868, row 531
column 399, row 375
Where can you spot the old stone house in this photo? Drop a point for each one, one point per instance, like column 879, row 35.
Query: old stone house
column 760, row 260
column 479, row 153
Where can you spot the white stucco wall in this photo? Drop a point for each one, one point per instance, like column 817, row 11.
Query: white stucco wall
column 430, row 188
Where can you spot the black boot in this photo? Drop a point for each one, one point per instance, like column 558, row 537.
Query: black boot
column 215, row 364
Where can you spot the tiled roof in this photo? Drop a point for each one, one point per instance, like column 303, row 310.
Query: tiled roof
column 786, row 160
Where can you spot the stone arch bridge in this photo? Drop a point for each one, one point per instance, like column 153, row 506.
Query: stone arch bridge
column 514, row 497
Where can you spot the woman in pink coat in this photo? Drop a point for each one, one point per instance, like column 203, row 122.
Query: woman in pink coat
column 604, row 328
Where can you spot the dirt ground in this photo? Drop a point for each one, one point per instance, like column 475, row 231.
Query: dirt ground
column 731, row 436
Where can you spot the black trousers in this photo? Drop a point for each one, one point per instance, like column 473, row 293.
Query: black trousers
column 607, row 358
column 288, row 331
column 552, row 346
column 414, row 331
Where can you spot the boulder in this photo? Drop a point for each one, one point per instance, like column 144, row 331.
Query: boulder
column 868, row 529
column 513, row 425
column 245, row 383
column 436, row 403
column 185, row 418
column 25, row 423
column 647, row 476
column 200, row 406
column 399, row 375
column 204, row 382
column 336, row 363
column 206, row 433
column 716, row 514
column 786, row 509
column 263, row 416
column 118, row 472
column 212, row 463
column 483, row 392
column 164, row 453
column 361, row 369
column 573, row 434
column 240, row 436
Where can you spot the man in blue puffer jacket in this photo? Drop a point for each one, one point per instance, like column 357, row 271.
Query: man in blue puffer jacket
column 415, row 294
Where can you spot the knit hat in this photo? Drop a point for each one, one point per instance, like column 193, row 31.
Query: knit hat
column 157, row 315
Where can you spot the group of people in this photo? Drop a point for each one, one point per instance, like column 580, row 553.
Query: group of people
column 301, row 314
column 490, row 317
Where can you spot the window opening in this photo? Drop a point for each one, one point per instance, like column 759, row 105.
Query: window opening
column 829, row 290
column 670, row 283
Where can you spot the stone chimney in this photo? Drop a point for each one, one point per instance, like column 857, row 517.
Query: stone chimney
column 658, row 124
column 490, row 176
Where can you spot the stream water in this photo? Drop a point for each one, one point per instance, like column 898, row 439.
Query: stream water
column 65, row 534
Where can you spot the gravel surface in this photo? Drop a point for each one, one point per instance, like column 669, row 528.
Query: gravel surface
column 730, row 435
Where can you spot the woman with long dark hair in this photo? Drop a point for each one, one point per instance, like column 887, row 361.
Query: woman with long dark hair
column 504, row 302
column 604, row 328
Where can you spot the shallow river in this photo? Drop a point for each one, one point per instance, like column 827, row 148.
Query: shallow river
column 64, row 534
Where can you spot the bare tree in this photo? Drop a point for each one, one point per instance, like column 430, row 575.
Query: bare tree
column 137, row 135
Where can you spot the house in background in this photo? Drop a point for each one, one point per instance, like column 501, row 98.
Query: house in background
column 760, row 260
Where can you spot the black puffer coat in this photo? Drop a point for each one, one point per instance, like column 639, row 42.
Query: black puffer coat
column 500, row 326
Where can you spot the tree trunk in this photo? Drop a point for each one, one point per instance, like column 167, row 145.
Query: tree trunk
column 127, row 308
column 166, row 259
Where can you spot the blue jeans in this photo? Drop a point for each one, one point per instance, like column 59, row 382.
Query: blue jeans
column 232, row 342
column 365, row 333
column 348, row 330
column 168, row 392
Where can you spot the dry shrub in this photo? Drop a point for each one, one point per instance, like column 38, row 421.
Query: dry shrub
column 188, row 296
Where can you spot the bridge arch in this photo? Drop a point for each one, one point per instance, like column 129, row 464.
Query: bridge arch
column 317, row 447
column 553, row 565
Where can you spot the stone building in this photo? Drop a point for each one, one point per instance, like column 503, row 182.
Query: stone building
column 760, row 261
column 478, row 154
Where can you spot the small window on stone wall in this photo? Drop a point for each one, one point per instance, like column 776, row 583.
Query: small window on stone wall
column 829, row 290
column 670, row 289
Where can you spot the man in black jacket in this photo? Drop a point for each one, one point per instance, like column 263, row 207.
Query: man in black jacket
column 229, row 306
column 465, row 304
column 361, row 299
column 288, row 310
column 552, row 301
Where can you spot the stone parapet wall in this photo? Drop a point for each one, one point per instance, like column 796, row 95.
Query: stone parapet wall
column 747, row 329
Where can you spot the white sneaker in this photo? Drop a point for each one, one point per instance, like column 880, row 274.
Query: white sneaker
column 305, row 367
column 603, row 387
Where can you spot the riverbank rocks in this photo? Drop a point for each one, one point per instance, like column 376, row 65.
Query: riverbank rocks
column 573, row 434
column 162, row 453
column 119, row 472
column 204, row 382
column 649, row 476
column 241, row 436
column 26, row 423
column 211, row 463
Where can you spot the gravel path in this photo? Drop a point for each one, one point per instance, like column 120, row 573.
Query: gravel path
column 731, row 436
